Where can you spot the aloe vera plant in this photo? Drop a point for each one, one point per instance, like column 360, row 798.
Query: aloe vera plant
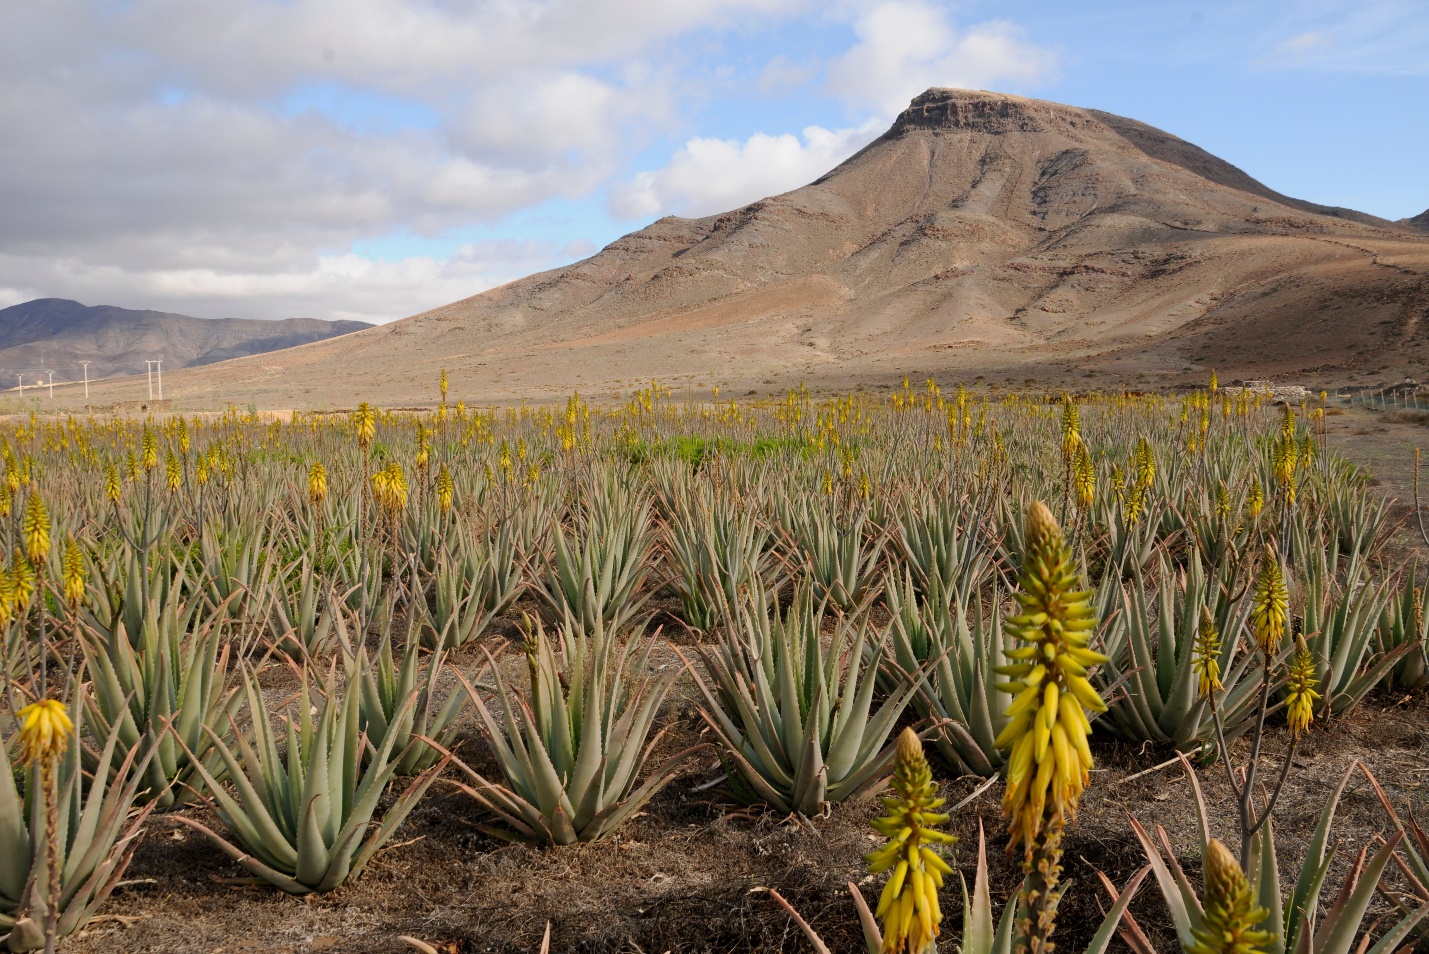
column 235, row 565
column 960, row 658
column 160, row 596
column 1340, row 626
column 1152, row 644
column 1294, row 922
column 300, row 620
column 595, row 571
column 473, row 582
column 170, row 693
column 794, row 719
column 361, row 577
column 940, row 542
column 716, row 547
column 1404, row 628
column 99, row 828
column 300, row 815
column 385, row 684
column 571, row 750
column 841, row 556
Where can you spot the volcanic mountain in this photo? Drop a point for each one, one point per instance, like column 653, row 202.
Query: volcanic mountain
column 57, row 333
column 983, row 234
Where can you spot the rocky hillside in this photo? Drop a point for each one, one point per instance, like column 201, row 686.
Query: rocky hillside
column 983, row 234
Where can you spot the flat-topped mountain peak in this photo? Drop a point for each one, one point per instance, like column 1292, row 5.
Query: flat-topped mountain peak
column 983, row 233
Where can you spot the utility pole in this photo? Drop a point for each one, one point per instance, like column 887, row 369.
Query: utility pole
column 86, row 379
column 52, row 383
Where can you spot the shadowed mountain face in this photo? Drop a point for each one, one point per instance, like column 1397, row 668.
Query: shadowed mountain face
column 982, row 234
column 57, row 333
column 1420, row 221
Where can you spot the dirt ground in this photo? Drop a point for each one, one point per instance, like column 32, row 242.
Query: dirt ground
column 682, row 877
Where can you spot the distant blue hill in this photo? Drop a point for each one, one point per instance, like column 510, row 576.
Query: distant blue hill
column 57, row 333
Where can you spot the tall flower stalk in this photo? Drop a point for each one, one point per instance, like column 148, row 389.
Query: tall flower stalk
column 45, row 733
column 1269, row 623
column 1049, row 762
column 908, row 908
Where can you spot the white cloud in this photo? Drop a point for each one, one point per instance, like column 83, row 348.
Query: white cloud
column 1369, row 36
column 328, row 286
column 1304, row 44
column 902, row 47
column 714, row 175
column 149, row 147
column 907, row 46
column 223, row 157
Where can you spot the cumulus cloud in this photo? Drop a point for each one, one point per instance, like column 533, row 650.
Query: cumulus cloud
column 901, row 48
column 713, row 175
column 226, row 157
column 906, row 46
column 196, row 153
column 334, row 286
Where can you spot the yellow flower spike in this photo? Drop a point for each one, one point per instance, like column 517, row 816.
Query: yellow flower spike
column 1231, row 914
column 7, row 595
column 73, row 574
column 396, row 486
column 149, row 451
column 45, row 731
column 446, row 489
column 173, row 473
column 365, row 419
column 1206, row 661
column 317, row 483
column 1254, row 500
column 1145, row 464
column 1084, row 478
column 1300, row 694
column 35, row 528
column 1071, row 429
column 1270, row 604
column 1049, row 763
column 908, row 906
column 1057, row 618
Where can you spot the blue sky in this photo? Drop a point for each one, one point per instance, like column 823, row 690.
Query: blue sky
column 373, row 158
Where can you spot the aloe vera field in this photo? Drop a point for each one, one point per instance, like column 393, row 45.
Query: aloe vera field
column 902, row 671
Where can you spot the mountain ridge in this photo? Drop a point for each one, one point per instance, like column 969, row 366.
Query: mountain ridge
column 60, row 332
